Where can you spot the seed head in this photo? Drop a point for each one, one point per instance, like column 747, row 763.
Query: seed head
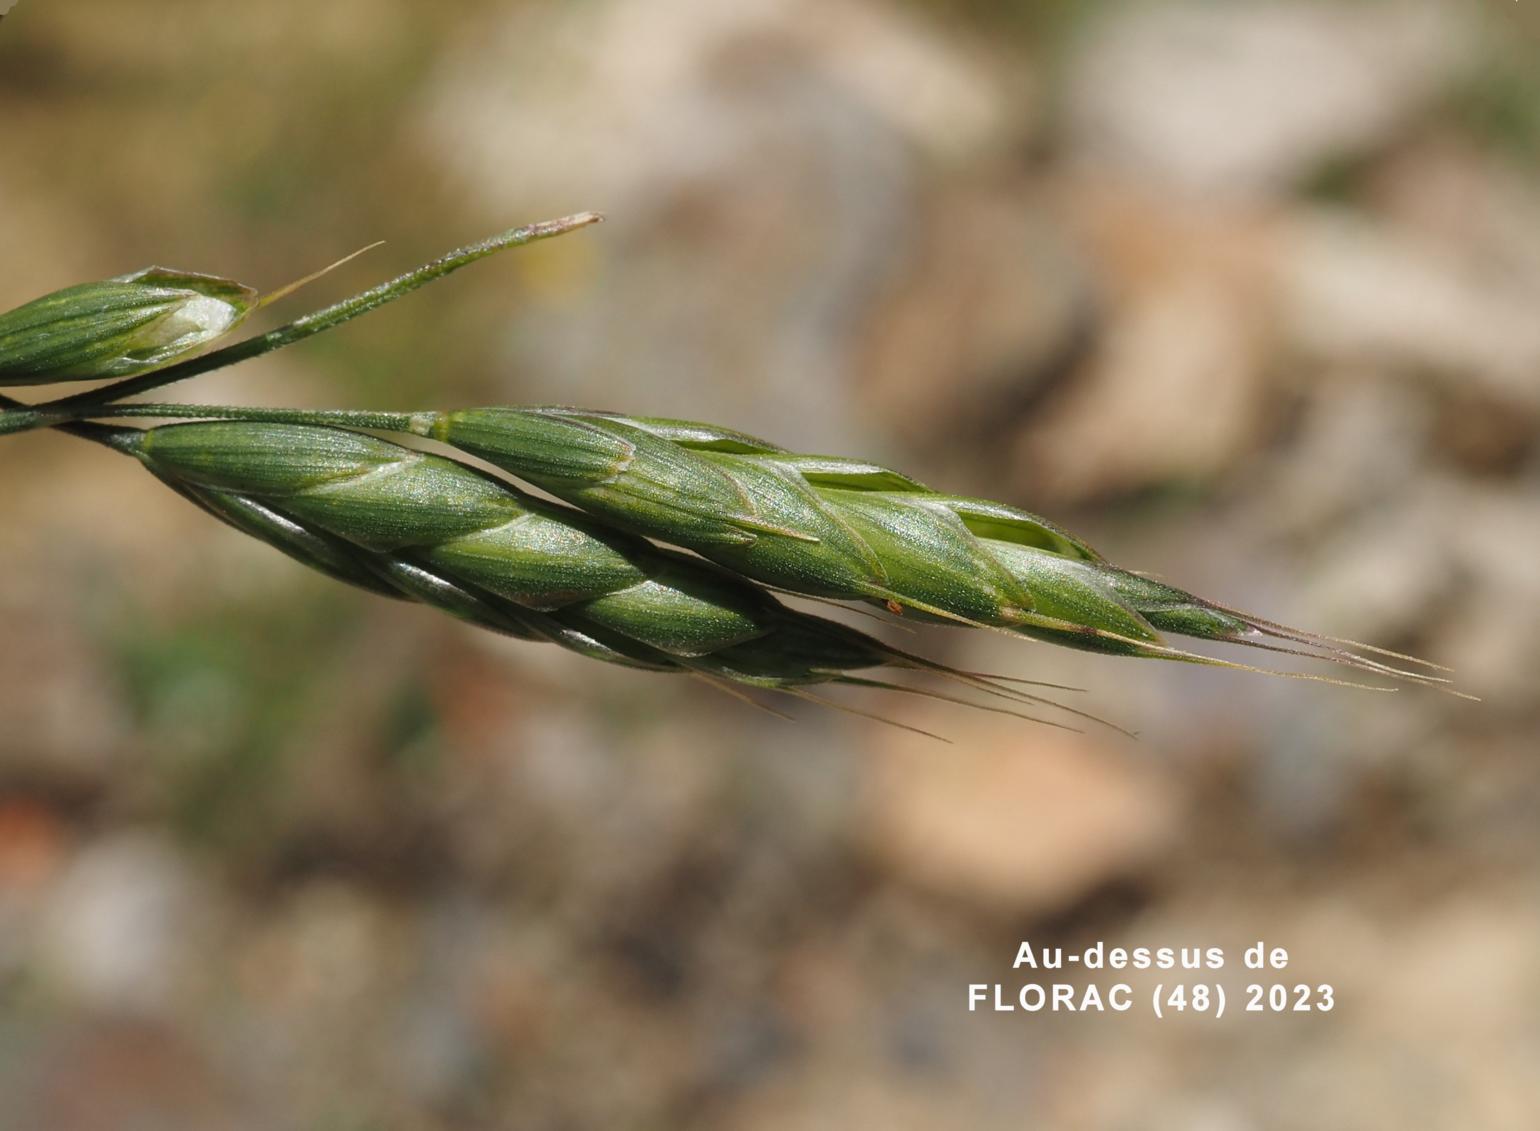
column 419, row 526
column 844, row 529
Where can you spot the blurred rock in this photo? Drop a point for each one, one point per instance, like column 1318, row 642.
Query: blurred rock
column 64, row 724
column 758, row 163
column 32, row 846
column 123, row 925
column 1388, row 571
column 1353, row 292
column 1492, row 635
column 1448, row 568
column 1359, row 439
column 1243, row 100
column 120, row 1075
column 1173, row 390
column 1018, row 822
column 325, row 949
column 624, row 98
column 993, row 306
column 1456, row 194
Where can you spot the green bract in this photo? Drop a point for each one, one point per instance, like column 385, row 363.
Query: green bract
column 118, row 327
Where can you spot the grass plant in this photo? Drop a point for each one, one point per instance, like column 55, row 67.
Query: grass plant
column 755, row 517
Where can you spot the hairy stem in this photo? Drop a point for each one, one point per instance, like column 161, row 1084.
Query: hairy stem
column 336, row 418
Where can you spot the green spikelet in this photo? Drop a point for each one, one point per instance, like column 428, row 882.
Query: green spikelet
column 841, row 528
column 118, row 327
column 418, row 526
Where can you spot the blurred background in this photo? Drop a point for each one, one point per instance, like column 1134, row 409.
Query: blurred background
column 1247, row 293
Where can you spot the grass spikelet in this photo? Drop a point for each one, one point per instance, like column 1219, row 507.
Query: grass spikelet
column 417, row 526
column 842, row 529
column 118, row 327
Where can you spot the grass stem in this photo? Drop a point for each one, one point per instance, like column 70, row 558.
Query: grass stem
column 25, row 417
